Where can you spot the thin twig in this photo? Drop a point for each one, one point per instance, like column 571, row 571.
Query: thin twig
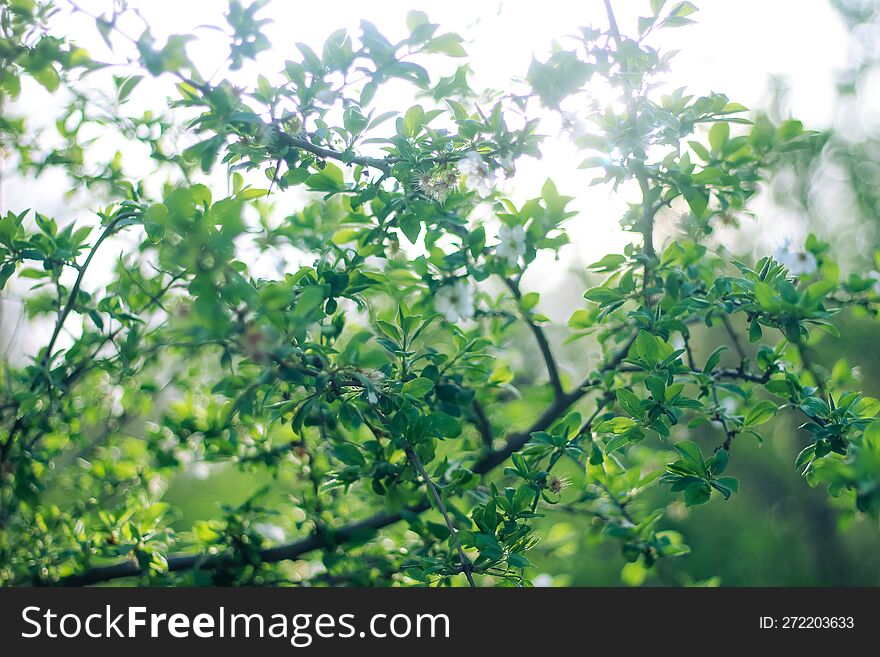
column 466, row 564
column 734, row 338
column 74, row 291
column 808, row 365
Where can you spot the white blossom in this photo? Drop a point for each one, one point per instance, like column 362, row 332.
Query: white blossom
column 508, row 164
column 455, row 301
column 272, row 532
column 269, row 136
column 573, row 125
column 169, row 441
column 185, row 457
column 543, row 580
column 512, row 244
column 798, row 263
column 199, row 470
column 192, row 464
column 476, row 173
column 437, row 185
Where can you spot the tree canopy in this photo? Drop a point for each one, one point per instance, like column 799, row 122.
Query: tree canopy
column 396, row 373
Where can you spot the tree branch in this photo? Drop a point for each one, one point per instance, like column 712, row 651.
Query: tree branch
column 46, row 361
column 331, row 538
column 466, row 564
column 541, row 339
column 807, row 362
column 382, row 164
column 728, row 373
column 647, row 224
column 268, row 555
column 612, row 22
column 734, row 338
column 77, row 284
column 481, row 421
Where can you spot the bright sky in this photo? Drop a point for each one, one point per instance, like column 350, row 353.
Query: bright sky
column 733, row 49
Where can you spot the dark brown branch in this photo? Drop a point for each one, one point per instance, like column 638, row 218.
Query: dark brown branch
column 734, row 338
column 331, row 538
column 481, row 422
column 268, row 555
column 516, row 441
column 541, row 339
column 382, row 164
column 728, row 373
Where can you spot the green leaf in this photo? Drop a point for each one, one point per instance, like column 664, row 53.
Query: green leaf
column 411, row 226
column 476, row 240
column 309, row 299
column 609, row 263
column 760, row 413
column 296, row 176
column 697, row 493
column 817, row 291
column 5, row 273
column 806, row 455
column 447, row 44
column 126, row 86
column 413, row 121
column 415, row 18
column 700, row 150
column 603, row 295
column 580, row 320
column 698, row 201
column 616, row 425
column 755, row 331
column 657, row 388
column 329, row 179
column 418, row 387
column 647, row 347
column 718, row 463
column 617, row 442
column 48, row 77
column 789, row 130
column 630, row 403
column 765, row 296
column 516, row 560
column 726, row 486
column 714, row 358
column 691, row 455
column 500, row 375
column 445, row 425
column 348, row 454
column 718, row 135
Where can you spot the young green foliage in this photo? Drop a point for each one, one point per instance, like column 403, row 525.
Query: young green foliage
column 379, row 380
